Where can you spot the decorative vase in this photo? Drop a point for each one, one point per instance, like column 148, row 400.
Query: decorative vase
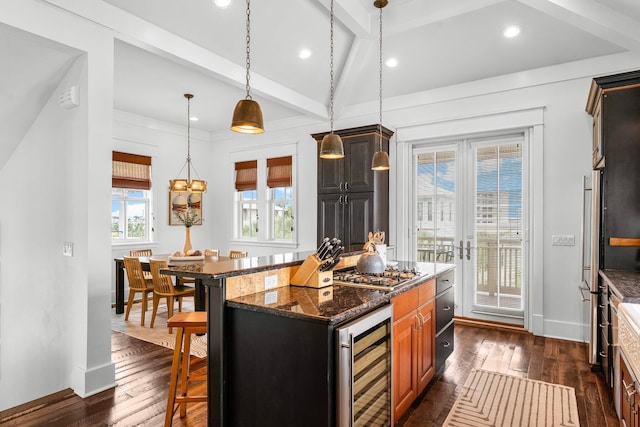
column 187, row 240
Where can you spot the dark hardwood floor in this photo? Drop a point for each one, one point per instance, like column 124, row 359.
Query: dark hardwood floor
column 142, row 375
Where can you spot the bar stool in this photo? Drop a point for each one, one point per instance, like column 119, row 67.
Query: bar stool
column 186, row 323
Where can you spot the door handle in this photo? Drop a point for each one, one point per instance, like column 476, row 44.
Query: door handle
column 468, row 250
column 582, row 289
column 461, row 248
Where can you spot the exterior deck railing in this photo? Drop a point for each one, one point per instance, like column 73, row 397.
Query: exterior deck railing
column 496, row 264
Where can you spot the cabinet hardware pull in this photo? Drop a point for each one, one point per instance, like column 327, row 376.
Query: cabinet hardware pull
column 603, row 325
column 346, row 186
column 603, row 354
column 629, row 390
column 416, row 324
column 422, row 320
column 346, row 199
column 340, row 200
column 340, row 186
column 602, row 305
column 446, row 344
column 447, row 308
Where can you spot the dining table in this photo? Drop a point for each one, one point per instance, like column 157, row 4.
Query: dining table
column 200, row 290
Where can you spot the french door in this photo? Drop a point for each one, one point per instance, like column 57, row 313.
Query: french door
column 469, row 197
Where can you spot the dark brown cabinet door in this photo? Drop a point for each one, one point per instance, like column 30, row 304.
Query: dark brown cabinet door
column 331, row 216
column 330, row 175
column 358, row 173
column 358, row 219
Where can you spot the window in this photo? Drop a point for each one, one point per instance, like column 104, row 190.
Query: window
column 280, row 197
column 130, row 198
column 265, row 196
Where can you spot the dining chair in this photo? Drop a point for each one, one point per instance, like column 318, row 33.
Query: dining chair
column 137, row 283
column 143, row 252
column 238, row 254
column 163, row 288
column 211, row 252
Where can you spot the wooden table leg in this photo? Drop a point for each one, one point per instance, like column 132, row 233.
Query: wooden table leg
column 119, row 286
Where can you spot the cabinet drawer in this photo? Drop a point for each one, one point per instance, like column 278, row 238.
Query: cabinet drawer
column 444, row 309
column 445, row 281
column 426, row 291
column 444, row 346
column 404, row 303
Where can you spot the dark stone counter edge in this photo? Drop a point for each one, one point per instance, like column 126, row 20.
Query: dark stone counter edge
column 384, row 298
column 626, row 284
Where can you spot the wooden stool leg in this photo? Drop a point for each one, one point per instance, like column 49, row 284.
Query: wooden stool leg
column 186, row 359
column 173, row 382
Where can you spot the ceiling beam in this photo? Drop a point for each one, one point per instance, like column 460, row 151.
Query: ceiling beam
column 152, row 38
column 595, row 18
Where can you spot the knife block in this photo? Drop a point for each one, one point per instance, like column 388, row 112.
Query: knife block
column 309, row 276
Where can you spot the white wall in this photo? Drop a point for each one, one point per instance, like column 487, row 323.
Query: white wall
column 54, row 310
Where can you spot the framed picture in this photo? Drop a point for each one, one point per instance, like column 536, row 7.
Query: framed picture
column 185, row 203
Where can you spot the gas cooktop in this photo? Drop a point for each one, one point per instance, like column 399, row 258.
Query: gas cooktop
column 392, row 278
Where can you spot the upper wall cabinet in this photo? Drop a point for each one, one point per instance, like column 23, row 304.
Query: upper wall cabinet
column 614, row 104
column 352, row 173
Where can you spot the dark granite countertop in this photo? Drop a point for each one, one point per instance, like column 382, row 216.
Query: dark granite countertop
column 625, row 283
column 216, row 269
column 331, row 304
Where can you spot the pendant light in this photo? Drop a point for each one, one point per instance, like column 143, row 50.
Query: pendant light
column 331, row 147
column 380, row 161
column 247, row 116
column 181, row 185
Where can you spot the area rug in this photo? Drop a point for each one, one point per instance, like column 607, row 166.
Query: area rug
column 494, row 399
column 159, row 334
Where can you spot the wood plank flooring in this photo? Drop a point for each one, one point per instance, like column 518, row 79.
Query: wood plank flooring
column 142, row 375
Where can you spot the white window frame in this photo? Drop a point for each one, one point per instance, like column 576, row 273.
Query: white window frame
column 148, row 199
column 265, row 234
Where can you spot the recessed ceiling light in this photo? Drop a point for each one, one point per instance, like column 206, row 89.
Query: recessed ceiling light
column 304, row 53
column 391, row 62
column 194, row 119
column 222, row 3
column 511, row 31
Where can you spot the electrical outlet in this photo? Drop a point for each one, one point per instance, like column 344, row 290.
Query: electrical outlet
column 563, row 240
column 271, row 281
column 67, row 249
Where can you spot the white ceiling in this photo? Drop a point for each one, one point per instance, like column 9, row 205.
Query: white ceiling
column 166, row 48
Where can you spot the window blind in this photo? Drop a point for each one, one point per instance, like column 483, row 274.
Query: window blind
column 247, row 175
column 279, row 172
column 130, row 171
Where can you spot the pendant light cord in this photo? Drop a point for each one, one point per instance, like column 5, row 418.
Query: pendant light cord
column 248, row 64
column 189, row 138
column 380, row 82
column 331, row 72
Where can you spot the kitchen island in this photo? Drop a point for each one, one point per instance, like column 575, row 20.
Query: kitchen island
column 240, row 306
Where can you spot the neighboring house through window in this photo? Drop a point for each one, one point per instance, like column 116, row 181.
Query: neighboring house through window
column 130, row 198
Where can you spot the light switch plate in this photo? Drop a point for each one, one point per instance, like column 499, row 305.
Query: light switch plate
column 67, row 249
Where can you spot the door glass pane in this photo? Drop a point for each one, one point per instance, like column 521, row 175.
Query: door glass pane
column 436, row 206
column 498, row 227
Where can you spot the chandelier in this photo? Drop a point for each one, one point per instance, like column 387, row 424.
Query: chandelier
column 380, row 161
column 182, row 185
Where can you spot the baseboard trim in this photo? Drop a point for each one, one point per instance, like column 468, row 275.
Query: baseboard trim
column 489, row 324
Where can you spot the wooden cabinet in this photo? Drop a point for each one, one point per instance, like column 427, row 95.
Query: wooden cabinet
column 629, row 400
column 352, row 199
column 413, row 344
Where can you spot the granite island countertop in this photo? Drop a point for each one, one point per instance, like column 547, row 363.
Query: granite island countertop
column 332, row 304
column 625, row 283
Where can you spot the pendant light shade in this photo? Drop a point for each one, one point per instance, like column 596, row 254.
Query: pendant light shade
column 331, row 147
column 380, row 161
column 247, row 116
column 190, row 185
